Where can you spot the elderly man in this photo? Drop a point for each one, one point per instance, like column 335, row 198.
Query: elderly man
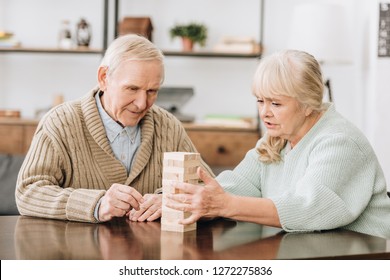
column 100, row 156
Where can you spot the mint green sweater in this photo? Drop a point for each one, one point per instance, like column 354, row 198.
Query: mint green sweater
column 330, row 179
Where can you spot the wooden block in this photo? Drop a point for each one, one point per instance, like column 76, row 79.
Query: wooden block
column 178, row 227
column 181, row 163
column 169, row 189
column 193, row 181
column 175, row 169
column 181, row 156
column 167, row 185
column 179, row 177
column 172, row 214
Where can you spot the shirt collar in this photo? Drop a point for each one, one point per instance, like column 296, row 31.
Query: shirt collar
column 113, row 129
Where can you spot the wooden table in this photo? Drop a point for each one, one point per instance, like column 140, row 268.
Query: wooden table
column 35, row 238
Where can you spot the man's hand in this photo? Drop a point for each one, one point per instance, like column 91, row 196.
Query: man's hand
column 119, row 200
column 149, row 210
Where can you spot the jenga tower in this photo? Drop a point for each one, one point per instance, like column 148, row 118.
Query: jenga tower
column 177, row 167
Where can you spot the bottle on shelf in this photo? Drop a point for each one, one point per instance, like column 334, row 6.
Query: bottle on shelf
column 65, row 36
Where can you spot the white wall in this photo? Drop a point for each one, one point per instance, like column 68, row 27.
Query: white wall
column 378, row 92
column 30, row 81
column 222, row 86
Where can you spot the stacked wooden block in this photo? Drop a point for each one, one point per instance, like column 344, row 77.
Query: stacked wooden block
column 177, row 167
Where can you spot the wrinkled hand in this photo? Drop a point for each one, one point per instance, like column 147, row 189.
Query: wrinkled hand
column 119, row 200
column 202, row 201
column 149, row 210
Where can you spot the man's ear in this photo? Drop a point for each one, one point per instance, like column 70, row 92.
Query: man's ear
column 102, row 77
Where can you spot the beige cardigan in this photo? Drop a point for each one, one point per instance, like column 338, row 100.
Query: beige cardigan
column 70, row 164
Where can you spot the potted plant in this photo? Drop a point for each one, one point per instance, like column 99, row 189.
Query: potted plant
column 190, row 33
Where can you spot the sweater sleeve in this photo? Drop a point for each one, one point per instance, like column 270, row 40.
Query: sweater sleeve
column 334, row 190
column 245, row 179
column 42, row 186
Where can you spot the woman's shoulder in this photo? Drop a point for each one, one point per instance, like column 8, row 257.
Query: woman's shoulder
column 335, row 129
column 333, row 124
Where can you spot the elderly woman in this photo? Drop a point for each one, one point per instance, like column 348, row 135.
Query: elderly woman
column 313, row 170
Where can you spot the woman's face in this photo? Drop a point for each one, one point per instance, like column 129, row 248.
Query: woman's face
column 284, row 117
column 130, row 90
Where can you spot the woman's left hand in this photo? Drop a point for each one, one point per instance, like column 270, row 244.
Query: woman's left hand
column 208, row 201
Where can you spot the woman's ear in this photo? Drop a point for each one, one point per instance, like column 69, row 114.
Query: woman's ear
column 102, row 77
column 308, row 112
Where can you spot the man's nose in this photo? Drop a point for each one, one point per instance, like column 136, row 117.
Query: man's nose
column 141, row 100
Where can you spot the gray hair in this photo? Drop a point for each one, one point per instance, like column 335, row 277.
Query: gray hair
column 290, row 73
column 130, row 47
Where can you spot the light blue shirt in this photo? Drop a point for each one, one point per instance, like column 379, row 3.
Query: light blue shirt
column 124, row 141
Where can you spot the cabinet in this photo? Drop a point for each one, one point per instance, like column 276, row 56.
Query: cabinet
column 222, row 146
column 219, row 146
column 16, row 135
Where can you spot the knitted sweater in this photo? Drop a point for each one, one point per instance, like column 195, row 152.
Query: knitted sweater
column 330, row 179
column 70, row 164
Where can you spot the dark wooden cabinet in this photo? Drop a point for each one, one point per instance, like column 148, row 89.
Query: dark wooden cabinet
column 222, row 146
column 16, row 135
column 218, row 146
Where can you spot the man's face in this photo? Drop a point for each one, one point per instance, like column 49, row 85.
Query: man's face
column 130, row 90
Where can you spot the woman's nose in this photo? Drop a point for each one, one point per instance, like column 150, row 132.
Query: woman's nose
column 265, row 110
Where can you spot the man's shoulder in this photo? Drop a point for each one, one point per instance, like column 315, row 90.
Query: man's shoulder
column 69, row 111
column 63, row 111
column 63, row 117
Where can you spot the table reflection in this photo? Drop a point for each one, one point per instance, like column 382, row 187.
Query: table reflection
column 219, row 239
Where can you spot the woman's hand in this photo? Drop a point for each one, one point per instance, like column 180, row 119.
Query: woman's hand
column 208, row 201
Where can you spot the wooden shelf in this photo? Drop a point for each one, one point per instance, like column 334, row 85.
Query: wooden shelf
column 100, row 51
column 51, row 50
column 212, row 54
